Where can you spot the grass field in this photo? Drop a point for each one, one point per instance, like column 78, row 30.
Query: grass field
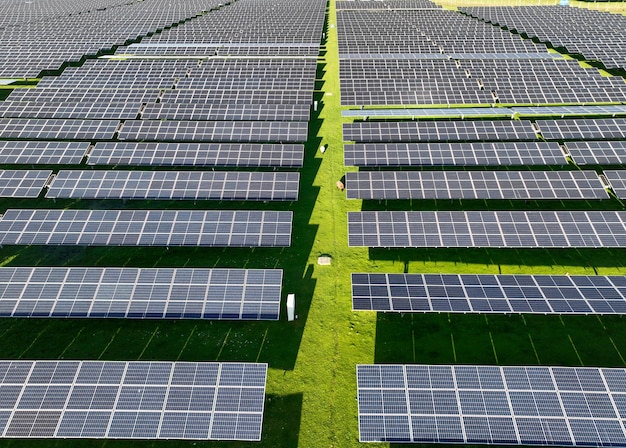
column 311, row 388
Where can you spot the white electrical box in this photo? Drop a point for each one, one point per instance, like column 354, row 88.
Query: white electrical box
column 291, row 307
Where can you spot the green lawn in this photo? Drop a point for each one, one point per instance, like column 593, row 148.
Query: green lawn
column 311, row 387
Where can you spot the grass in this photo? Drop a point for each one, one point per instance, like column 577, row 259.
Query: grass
column 311, row 390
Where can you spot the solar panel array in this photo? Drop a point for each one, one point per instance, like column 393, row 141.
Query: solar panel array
column 86, row 110
column 562, row 406
column 193, row 83
column 617, row 181
column 453, row 154
column 214, row 131
column 141, row 293
column 132, row 400
column 438, row 131
column 36, row 152
column 19, row 128
column 474, row 185
column 197, row 154
column 395, row 56
column 501, row 294
column 605, row 152
column 217, row 228
column 42, row 38
column 22, row 183
column 588, row 129
column 196, row 185
column 574, row 29
column 487, row 229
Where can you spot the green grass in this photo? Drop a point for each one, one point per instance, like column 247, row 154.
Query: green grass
column 311, row 389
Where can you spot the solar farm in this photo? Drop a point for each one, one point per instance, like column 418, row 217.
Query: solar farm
column 439, row 184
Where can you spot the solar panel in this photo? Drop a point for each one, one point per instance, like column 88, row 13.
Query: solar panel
column 130, row 293
column 214, row 131
column 109, row 110
column 605, row 128
column 501, row 294
column 474, row 185
column 85, row 95
column 598, row 152
column 564, row 111
column 562, row 406
column 23, row 183
column 132, row 400
column 438, row 131
column 451, row 112
column 617, row 180
column 218, row 228
column 33, row 152
column 57, row 129
column 197, row 154
column 268, row 112
column 196, row 185
column 454, row 154
column 487, row 229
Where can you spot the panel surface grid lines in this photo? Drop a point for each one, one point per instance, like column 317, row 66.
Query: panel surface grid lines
column 23, row 183
column 438, row 131
column 474, row 185
column 604, row 152
column 487, row 229
column 617, row 180
column 196, row 185
column 469, row 404
column 132, row 400
column 500, row 294
column 197, row 154
column 33, row 152
column 454, row 154
column 146, row 293
column 218, row 228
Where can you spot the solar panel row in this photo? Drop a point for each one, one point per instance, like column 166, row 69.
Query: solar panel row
column 140, row 293
column 217, row 228
column 487, row 229
column 563, row 406
column 438, row 131
column 384, row 185
column 23, row 184
column 197, row 154
column 572, row 29
column 132, row 400
column 196, row 185
column 454, row 154
column 465, row 293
